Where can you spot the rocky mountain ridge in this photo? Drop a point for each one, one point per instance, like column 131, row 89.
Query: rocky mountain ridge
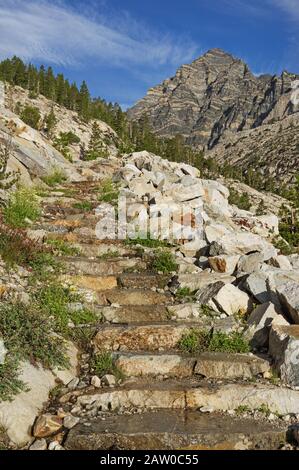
column 217, row 99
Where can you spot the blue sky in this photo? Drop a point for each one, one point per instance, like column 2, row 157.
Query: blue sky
column 123, row 47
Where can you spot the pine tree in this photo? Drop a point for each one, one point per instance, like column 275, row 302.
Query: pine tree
column 73, row 97
column 41, row 80
column 96, row 147
column 84, row 102
column 20, row 72
column 50, row 85
column 32, row 79
column 60, row 89
column 50, row 122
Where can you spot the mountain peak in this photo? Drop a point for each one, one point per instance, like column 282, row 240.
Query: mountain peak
column 213, row 95
column 216, row 51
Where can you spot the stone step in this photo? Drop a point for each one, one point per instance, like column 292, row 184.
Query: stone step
column 171, row 364
column 150, row 336
column 141, row 365
column 96, row 284
column 133, row 297
column 59, row 201
column 151, row 314
column 141, row 394
column 159, row 337
column 128, row 314
column 103, row 249
column 173, row 430
column 192, row 393
column 141, row 280
column 86, row 266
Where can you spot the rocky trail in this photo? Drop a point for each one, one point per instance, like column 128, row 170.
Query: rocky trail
column 141, row 382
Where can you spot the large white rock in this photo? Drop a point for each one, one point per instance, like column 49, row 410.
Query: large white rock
column 281, row 262
column 194, row 247
column 184, row 311
column 214, row 231
column 198, row 281
column 189, row 170
column 232, row 300
column 224, row 263
column 242, row 243
column 187, row 267
column 260, row 322
column 230, row 397
column 256, row 284
column 289, row 297
column 140, row 187
column 216, row 203
column 294, row 260
column 216, row 185
column 182, row 193
column 284, row 348
column 18, row 416
column 129, row 172
column 270, row 223
column 250, row 263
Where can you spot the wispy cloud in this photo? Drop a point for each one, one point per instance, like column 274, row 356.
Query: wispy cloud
column 56, row 33
column 249, row 8
column 291, row 7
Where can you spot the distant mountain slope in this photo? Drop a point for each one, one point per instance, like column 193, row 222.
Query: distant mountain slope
column 214, row 93
column 217, row 99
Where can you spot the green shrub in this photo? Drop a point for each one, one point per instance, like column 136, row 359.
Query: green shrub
column 85, row 206
column 69, row 138
column 27, row 335
column 195, row 341
column 242, row 409
column 242, row 201
column 109, row 192
column 31, row 116
column 10, row 384
column 16, row 248
column 198, row 341
column 147, row 242
column 83, row 317
column 54, row 299
column 61, row 247
column 55, row 178
column 63, row 142
column 103, row 364
column 230, row 343
column 110, row 254
column 184, row 292
column 44, row 263
column 22, row 206
column 164, row 262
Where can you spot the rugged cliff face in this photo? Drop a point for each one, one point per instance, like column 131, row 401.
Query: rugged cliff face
column 215, row 93
column 218, row 100
column 34, row 153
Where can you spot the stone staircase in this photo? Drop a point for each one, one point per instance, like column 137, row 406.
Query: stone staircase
column 161, row 398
